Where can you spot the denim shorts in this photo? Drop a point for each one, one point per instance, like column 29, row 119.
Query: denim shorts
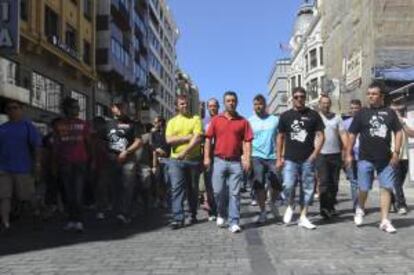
column 386, row 175
column 264, row 174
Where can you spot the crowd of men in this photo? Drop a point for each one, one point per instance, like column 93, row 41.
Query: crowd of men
column 117, row 162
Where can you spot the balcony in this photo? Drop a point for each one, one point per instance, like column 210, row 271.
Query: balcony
column 120, row 15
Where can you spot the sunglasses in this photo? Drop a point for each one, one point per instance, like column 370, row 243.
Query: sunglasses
column 299, row 97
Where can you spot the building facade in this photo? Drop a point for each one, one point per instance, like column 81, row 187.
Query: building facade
column 365, row 41
column 307, row 63
column 185, row 86
column 56, row 58
column 122, row 52
column 278, row 87
column 163, row 35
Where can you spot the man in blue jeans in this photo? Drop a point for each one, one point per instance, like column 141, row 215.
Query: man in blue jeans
column 264, row 174
column 351, row 171
column 375, row 126
column 183, row 134
column 300, row 138
column 232, row 151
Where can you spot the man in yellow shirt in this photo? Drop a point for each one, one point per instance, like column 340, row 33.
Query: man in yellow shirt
column 183, row 134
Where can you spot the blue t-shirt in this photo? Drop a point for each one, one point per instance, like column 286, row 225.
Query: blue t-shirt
column 265, row 131
column 18, row 141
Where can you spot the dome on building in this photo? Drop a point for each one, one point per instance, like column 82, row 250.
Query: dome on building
column 304, row 19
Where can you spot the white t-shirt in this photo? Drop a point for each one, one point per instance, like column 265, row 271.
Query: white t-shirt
column 333, row 128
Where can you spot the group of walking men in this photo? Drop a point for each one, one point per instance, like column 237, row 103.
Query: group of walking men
column 300, row 148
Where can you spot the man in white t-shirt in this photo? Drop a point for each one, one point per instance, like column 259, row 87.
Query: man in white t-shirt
column 330, row 159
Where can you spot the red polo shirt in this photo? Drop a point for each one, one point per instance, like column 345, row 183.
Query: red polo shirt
column 228, row 135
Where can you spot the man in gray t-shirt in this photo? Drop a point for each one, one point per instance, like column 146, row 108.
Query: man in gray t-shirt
column 330, row 159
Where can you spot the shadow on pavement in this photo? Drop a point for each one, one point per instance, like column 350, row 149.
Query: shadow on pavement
column 26, row 236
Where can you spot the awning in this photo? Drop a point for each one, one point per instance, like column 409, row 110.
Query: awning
column 405, row 74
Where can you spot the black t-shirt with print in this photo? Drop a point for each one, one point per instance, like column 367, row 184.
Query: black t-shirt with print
column 375, row 127
column 300, row 128
column 122, row 133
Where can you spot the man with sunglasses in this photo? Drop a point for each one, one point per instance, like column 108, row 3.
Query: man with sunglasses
column 299, row 141
column 19, row 147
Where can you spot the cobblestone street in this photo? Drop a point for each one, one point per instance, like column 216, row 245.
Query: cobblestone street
column 152, row 248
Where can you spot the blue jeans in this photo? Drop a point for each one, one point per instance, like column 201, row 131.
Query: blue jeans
column 208, row 175
column 184, row 177
column 386, row 175
column 304, row 172
column 351, row 174
column 227, row 175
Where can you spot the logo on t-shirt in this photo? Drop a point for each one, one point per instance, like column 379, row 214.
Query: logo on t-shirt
column 298, row 131
column 378, row 128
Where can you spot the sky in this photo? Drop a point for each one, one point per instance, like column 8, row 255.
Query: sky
column 232, row 44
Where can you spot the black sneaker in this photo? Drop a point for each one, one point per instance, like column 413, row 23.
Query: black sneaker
column 326, row 214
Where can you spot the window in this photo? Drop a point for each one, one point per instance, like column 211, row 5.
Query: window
column 82, row 103
column 87, row 9
column 101, row 110
column 87, row 52
column 313, row 59
column 299, row 80
column 46, row 93
column 321, row 56
column 51, row 23
column 71, row 37
column 24, row 10
column 8, row 71
column 307, row 63
column 293, row 82
column 313, row 88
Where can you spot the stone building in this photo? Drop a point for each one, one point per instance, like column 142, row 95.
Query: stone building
column 278, row 87
column 55, row 57
column 367, row 40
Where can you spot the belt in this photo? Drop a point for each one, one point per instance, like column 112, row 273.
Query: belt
column 229, row 158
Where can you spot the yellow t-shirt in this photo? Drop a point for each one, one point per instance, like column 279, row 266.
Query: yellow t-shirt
column 183, row 126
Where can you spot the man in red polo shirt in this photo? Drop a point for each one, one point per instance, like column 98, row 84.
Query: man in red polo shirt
column 233, row 136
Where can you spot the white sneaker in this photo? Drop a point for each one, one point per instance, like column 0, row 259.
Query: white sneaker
column 305, row 223
column 212, row 218
column 275, row 211
column 69, row 226
column 220, row 222
column 235, row 228
column 287, row 217
column 402, row 211
column 386, row 226
column 253, row 203
column 359, row 216
column 262, row 218
column 100, row 216
column 79, row 227
column 122, row 219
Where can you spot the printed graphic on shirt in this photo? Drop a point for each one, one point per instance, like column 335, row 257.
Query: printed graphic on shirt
column 118, row 140
column 299, row 132
column 378, row 128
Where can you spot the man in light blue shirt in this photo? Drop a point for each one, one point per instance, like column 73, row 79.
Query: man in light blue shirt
column 264, row 172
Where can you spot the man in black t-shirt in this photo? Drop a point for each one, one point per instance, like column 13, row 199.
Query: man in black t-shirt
column 299, row 128
column 124, row 139
column 375, row 126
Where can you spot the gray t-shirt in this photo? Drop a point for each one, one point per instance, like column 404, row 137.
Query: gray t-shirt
column 333, row 127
